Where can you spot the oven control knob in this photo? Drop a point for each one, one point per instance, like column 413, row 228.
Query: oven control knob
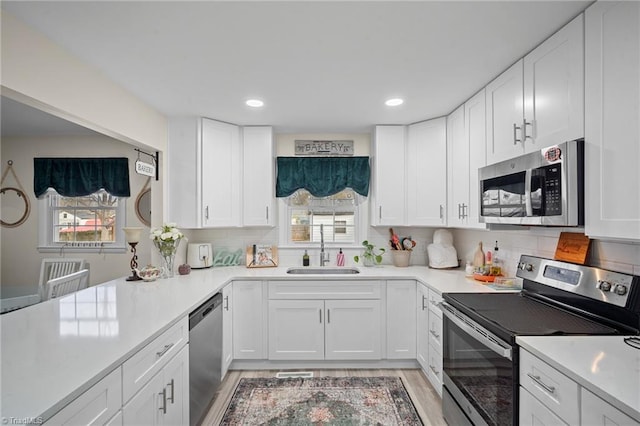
column 620, row 290
column 527, row 267
column 604, row 285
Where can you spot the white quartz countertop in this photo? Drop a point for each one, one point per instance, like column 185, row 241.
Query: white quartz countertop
column 605, row 365
column 54, row 351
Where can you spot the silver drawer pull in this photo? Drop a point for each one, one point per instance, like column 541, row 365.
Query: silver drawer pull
column 164, row 350
column 436, row 372
column 436, row 335
column 539, row 381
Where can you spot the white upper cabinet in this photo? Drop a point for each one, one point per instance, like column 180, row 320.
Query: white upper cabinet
column 612, row 125
column 476, row 137
column 538, row 101
column 426, row 168
column 389, row 182
column 220, row 174
column 554, row 89
column 258, row 192
column 458, row 170
column 505, row 109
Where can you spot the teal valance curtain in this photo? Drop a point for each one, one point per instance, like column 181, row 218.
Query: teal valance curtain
column 77, row 177
column 322, row 176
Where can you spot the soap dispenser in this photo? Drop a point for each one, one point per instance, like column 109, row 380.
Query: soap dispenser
column 340, row 258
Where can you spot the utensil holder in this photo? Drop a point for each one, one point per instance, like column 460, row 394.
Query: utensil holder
column 401, row 258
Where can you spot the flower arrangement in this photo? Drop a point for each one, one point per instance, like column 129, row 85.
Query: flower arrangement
column 166, row 239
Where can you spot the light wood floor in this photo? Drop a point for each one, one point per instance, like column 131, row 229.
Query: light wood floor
column 424, row 397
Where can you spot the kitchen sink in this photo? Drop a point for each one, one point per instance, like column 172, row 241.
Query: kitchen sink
column 322, row 271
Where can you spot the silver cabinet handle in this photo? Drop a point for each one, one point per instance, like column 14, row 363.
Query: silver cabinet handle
column 380, row 212
column 464, row 211
column 526, row 123
column 226, row 301
column 538, row 380
column 515, row 139
column 164, row 401
column 206, row 212
column 459, row 214
column 436, row 372
column 423, row 299
column 328, row 316
column 164, row 350
column 441, row 210
column 172, row 384
column 434, row 334
column 320, row 312
column 267, row 208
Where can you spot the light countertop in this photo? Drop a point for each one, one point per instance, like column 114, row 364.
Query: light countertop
column 605, row 365
column 54, row 351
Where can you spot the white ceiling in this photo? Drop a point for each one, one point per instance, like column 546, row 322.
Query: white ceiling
column 320, row 67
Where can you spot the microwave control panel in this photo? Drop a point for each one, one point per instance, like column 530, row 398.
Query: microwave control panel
column 552, row 190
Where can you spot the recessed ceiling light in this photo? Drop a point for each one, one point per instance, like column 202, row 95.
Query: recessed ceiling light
column 394, row 102
column 256, row 103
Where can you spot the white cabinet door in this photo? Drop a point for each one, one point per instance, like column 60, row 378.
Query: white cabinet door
column 184, row 178
column 220, row 174
column 389, row 185
column 296, row 329
column 554, row 88
column 176, row 389
column 249, row 320
column 612, row 125
column 426, row 169
column 422, row 329
column 504, row 115
column 401, row 319
column 227, row 328
column 258, row 193
column 533, row 413
column 597, row 412
column 458, row 169
column 352, row 329
column 476, row 137
column 147, row 406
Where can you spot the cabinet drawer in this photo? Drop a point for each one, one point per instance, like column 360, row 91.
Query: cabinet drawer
column 96, row 406
column 324, row 289
column 533, row 413
column 434, row 370
column 435, row 332
column 434, row 299
column 555, row 390
column 137, row 370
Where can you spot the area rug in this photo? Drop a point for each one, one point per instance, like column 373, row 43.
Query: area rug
column 321, row 401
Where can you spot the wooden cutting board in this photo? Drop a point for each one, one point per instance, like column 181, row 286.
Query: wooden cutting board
column 572, row 247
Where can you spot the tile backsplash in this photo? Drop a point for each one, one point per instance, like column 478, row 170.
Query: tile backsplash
column 614, row 255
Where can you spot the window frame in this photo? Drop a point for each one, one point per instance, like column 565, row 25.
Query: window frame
column 46, row 243
column 361, row 221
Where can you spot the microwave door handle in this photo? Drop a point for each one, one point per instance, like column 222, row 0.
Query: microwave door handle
column 527, row 192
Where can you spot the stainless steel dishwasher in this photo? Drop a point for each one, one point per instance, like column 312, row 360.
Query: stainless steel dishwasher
column 205, row 356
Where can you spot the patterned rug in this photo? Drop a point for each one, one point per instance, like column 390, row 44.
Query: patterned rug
column 321, row 401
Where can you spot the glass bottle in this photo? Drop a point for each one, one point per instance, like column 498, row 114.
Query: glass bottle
column 305, row 259
column 478, row 257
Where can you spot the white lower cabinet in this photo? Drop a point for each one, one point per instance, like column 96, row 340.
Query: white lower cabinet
column 98, row 405
column 534, row 413
column 316, row 320
column 164, row 400
column 227, row 328
column 401, row 319
column 429, row 335
column 249, row 320
column 597, row 412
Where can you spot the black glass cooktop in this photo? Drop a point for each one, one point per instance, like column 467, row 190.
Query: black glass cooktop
column 513, row 314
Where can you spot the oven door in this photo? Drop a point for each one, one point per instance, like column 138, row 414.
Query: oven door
column 480, row 373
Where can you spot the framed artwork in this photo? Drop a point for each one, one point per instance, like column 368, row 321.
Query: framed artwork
column 262, row 256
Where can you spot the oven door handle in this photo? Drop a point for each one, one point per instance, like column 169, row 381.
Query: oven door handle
column 472, row 329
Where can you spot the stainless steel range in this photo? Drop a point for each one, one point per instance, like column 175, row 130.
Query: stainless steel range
column 480, row 356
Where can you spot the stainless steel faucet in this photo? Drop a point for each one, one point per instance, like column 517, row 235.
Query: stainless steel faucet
column 324, row 257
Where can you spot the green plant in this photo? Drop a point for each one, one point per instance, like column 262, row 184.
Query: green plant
column 370, row 254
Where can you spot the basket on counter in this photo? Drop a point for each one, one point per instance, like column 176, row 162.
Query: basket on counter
column 401, row 258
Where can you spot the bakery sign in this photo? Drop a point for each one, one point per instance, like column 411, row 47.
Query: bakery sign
column 323, row 148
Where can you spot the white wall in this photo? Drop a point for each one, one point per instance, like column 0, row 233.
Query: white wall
column 19, row 257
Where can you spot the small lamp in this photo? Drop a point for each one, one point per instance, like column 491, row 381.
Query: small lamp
column 132, row 235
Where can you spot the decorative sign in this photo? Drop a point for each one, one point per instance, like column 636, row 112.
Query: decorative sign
column 324, row 148
column 146, row 169
column 224, row 257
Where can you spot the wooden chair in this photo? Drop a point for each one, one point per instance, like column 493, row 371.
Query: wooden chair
column 67, row 284
column 55, row 268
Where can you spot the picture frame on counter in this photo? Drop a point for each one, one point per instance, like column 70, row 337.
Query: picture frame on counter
column 262, row 256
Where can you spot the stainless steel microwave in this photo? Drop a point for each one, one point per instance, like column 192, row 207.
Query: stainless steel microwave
column 545, row 187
